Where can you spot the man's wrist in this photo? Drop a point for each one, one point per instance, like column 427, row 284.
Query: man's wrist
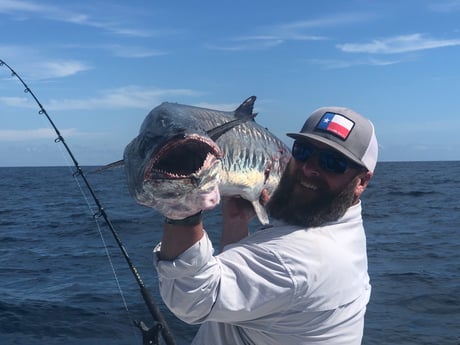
column 189, row 221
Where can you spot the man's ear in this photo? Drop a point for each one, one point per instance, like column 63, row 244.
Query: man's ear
column 363, row 181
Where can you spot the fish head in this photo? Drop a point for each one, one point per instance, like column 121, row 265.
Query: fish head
column 174, row 170
column 183, row 159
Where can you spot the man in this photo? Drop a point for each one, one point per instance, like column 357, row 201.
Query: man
column 303, row 280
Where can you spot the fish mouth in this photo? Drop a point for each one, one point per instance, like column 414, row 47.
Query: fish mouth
column 182, row 157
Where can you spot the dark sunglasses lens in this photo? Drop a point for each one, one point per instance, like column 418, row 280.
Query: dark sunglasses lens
column 302, row 152
column 329, row 161
column 333, row 163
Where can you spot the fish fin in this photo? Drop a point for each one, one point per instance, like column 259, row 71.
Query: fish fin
column 116, row 164
column 245, row 109
column 242, row 114
column 260, row 212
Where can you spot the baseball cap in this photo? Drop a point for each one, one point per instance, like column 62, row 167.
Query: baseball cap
column 343, row 130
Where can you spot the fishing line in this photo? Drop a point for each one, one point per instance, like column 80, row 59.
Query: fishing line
column 160, row 327
column 101, row 234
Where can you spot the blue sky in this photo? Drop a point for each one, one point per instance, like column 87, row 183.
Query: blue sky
column 99, row 66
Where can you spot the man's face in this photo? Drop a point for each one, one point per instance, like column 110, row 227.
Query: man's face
column 310, row 196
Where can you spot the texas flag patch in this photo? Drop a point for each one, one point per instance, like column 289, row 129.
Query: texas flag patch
column 336, row 124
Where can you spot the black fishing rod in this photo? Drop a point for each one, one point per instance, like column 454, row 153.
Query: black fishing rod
column 150, row 335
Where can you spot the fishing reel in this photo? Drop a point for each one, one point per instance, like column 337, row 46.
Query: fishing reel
column 152, row 335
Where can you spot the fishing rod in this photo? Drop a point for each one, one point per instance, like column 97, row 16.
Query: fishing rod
column 150, row 335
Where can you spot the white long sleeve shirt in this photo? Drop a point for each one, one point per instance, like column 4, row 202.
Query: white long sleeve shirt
column 281, row 285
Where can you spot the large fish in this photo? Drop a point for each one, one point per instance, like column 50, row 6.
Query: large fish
column 182, row 151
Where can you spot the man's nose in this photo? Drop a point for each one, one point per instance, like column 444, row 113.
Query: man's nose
column 311, row 166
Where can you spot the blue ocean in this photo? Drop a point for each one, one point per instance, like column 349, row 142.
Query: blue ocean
column 64, row 280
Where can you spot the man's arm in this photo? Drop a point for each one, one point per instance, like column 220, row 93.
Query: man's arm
column 177, row 238
column 236, row 215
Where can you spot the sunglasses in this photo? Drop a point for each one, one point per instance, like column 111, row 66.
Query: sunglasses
column 329, row 160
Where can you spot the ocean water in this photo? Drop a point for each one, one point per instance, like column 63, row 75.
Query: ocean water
column 63, row 279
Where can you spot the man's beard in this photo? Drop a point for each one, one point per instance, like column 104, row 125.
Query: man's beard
column 287, row 203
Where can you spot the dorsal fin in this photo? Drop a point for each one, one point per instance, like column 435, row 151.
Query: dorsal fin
column 246, row 108
column 242, row 114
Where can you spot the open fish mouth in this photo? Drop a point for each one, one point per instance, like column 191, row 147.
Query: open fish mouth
column 181, row 158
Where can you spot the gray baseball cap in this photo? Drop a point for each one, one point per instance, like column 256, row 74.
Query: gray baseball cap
column 343, row 130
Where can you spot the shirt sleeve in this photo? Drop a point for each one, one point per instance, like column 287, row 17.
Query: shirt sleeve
column 243, row 283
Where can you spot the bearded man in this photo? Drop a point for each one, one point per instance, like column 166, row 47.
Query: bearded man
column 303, row 279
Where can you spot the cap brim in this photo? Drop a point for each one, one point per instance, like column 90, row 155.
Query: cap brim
column 330, row 143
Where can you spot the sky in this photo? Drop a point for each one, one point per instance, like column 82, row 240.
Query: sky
column 99, row 66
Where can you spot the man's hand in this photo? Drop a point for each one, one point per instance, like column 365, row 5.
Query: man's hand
column 237, row 207
column 236, row 215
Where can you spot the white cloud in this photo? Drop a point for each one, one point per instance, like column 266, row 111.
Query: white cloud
column 293, row 30
column 126, row 97
column 42, row 68
column 134, row 52
column 338, row 64
column 275, row 35
column 398, row 44
column 12, row 135
column 20, row 102
column 247, row 44
column 58, row 69
column 218, row 106
column 24, row 8
column 445, row 6
column 10, row 6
